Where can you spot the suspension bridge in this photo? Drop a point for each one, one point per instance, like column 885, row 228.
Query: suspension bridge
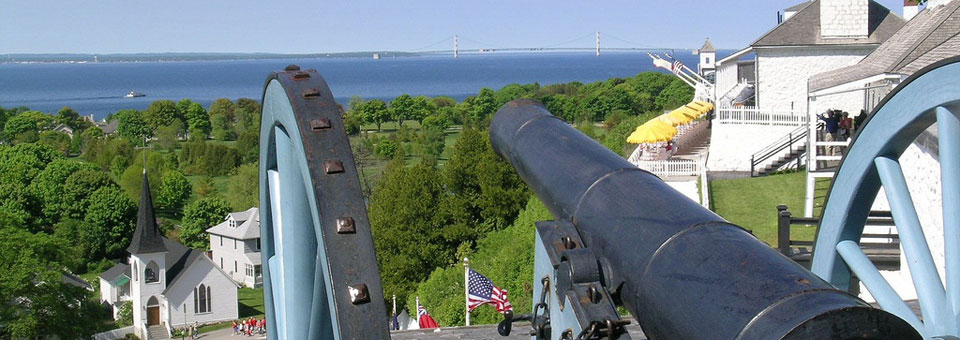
column 593, row 41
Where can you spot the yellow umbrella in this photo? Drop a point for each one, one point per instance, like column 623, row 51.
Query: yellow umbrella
column 682, row 116
column 707, row 106
column 687, row 111
column 651, row 132
column 673, row 120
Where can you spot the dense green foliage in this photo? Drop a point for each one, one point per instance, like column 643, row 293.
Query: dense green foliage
column 504, row 256
column 174, row 191
column 200, row 215
column 209, row 159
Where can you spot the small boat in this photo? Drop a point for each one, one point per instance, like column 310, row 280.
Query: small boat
column 134, row 94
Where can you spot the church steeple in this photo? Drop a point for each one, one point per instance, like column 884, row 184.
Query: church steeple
column 147, row 237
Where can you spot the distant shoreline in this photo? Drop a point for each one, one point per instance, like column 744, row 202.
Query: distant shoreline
column 82, row 58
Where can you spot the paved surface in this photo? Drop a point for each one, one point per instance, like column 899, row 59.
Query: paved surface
column 227, row 333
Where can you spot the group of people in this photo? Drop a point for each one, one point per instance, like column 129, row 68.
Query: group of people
column 250, row 326
column 839, row 126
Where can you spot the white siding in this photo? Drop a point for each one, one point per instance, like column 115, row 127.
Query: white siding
column 782, row 73
column 731, row 145
column 230, row 256
column 726, row 78
column 223, row 295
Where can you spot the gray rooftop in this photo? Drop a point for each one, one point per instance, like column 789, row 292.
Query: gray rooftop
column 707, row 47
column 247, row 225
column 929, row 37
column 115, row 271
column 803, row 28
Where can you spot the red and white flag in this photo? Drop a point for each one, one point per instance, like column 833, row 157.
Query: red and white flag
column 424, row 319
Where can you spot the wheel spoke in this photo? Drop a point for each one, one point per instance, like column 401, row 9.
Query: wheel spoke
column 868, row 274
column 926, row 280
column 296, row 234
column 276, row 267
column 948, row 126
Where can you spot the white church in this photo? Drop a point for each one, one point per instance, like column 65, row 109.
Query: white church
column 169, row 284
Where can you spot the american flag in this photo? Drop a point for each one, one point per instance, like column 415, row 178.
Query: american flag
column 482, row 291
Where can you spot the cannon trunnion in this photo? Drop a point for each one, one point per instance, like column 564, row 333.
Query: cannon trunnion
column 681, row 270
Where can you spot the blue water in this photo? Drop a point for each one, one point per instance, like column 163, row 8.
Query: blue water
column 98, row 88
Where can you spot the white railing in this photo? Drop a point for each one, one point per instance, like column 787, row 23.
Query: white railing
column 674, row 167
column 754, row 116
column 704, row 185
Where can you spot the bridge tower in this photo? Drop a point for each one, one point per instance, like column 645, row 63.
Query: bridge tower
column 456, row 46
column 598, row 43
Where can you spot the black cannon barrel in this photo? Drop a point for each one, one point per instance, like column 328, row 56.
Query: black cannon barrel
column 682, row 271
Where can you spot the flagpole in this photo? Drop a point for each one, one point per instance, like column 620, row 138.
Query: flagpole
column 418, row 311
column 394, row 315
column 466, row 288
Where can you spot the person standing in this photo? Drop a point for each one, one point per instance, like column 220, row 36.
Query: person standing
column 831, row 122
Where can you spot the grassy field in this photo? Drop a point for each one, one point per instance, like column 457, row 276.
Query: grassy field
column 752, row 203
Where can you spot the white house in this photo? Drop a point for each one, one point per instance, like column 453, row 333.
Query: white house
column 169, row 284
column 708, row 60
column 235, row 246
column 815, row 36
column 931, row 35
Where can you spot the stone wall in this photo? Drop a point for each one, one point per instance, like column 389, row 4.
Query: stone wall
column 782, row 73
column 844, row 18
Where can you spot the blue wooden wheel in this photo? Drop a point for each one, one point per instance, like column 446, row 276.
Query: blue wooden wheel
column 320, row 271
column 930, row 96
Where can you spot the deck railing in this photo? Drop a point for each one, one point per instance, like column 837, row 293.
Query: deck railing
column 754, row 116
column 674, row 167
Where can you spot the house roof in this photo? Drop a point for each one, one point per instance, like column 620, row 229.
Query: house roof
column 147, row 237
column 932, row 35
column 803, row 28
column 116, row 271
column 109, row 127
column 183, row 258
column 76, row 281
column 247, row 226
column 707, row 47
column 797, row 7
column 254, row 258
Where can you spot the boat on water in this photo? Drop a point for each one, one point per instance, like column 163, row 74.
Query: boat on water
column 134, row 94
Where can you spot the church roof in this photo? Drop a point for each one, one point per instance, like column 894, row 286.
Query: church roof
column 247, row 225
column 115, row 271
column 803, row 28
column 147, row 237
column 707, row 47
column 932, row 35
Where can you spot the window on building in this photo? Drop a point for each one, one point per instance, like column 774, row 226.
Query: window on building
column 135, row 271
column 234, row 243
column 233, row 224
column 221, row 240
column 201, row 299
column 708, row 60
column 258, row 243
column 152, row 273
column 221, row 263
column 249, row 270
column 235, row 266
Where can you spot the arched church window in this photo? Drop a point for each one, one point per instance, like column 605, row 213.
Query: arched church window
column 152, row 273
column 201, row 299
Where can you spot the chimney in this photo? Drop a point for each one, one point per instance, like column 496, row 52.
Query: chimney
column 910, row 9
column 844, row 19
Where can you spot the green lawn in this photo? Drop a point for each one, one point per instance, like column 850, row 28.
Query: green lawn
column 752, row 203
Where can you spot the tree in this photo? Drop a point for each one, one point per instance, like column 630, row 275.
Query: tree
column 56, row 140
column 221, row 117
column 246, row 116
column 403, row 220
column 248, row 145
column 674, row 95
column 49, row 188
column 19, row 166
column 131, row 124
column 432, row 140
column 27, row 122
column 169, row 135
column 203, row 187
column 174, row 191
column 484, row 105
column 422, row 108
column 125, row 314
column 68, row 117
column 243, row 190
column 374, row 112
column 78, row 187
column 161, row 113
column 198, row 120
column 34, row 300
column 200, row 215
column 111, row 218
column 401, row 108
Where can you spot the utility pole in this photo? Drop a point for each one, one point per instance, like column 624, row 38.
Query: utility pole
column 598, row 43
column 456, row 47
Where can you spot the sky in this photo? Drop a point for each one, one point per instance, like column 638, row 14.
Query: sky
column 314, row 26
